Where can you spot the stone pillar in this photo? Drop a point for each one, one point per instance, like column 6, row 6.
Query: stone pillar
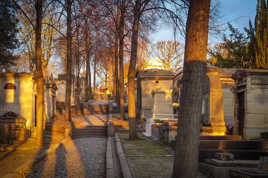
column 216, row 116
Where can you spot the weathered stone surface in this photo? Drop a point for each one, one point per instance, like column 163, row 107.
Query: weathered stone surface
column 216, row 104
column 20, row 98
column 150, row 86
column 253, row 133
column 228, row 101
column 255, row 121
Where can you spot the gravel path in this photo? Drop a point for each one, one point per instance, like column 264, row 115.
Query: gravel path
column 83, row 157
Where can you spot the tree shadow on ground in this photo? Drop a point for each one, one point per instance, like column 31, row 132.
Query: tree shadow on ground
column 50, row 137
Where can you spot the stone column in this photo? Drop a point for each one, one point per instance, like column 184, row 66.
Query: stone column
column 216, row 116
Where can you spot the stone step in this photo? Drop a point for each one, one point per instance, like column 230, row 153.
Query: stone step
column 90, row 131
column 87, row 136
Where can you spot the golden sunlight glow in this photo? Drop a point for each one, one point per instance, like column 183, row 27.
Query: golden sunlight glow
column 95, row 120
column 10, row 93
column 26, row 99
column 154, row 64
column 118, row 122
column 168, row 94
column 216, row 104
column 73, row 159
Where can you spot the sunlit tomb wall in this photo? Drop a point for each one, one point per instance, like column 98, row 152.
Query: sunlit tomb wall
column 19, row 99
column 216, row 104
column 155, row 85
column 156, row 93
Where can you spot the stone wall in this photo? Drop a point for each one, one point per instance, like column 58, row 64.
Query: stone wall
column 256, row 108
column 228, row 102
column 152, row 86
column 150, row 89
column 228, row 84
column 218, row 99
column 20, row 99
column 17, row 94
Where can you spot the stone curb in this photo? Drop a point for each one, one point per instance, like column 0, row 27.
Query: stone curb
column 109, row 159
column 28, row 164
column 122, row 159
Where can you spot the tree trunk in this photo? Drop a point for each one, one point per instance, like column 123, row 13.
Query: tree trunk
column 116, row 67
column 117, row 97
column 69, row 64
column 94, row 76
column 121, row 60
column 132, row 72
column 78, row 109
column 39, row 73
column 88, row 91
column 95, row 65
column 187, row 145
column 86, row 94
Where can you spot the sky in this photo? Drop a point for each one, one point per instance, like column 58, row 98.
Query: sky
column 237, row 12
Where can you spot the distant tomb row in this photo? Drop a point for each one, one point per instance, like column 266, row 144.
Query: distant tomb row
column 235, row 101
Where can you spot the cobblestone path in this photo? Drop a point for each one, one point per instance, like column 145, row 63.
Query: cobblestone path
column 84, row 157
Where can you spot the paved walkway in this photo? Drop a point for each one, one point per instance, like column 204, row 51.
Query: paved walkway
column 20, row 157
column 84, row 157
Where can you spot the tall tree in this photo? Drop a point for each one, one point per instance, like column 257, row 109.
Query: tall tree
column 169, row 53
column 96, row 57
column 187, row 143
column 261, row 30
column 132, row 70
column 68, row 4
column 144, row 53
column 244, row 50
column 77, row 57
column 121, row 36
column 8, row 30
column 232, row 52
column 51, row 23
column 39, row 72
column 144, row 13
column 88, row 91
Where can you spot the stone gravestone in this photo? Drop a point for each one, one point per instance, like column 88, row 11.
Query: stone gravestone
column 162, row 110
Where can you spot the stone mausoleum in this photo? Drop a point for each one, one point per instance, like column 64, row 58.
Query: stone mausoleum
column 236, row 98
column 154, row 97
column 154, row 93
column 251, row 102
column 18, row 103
